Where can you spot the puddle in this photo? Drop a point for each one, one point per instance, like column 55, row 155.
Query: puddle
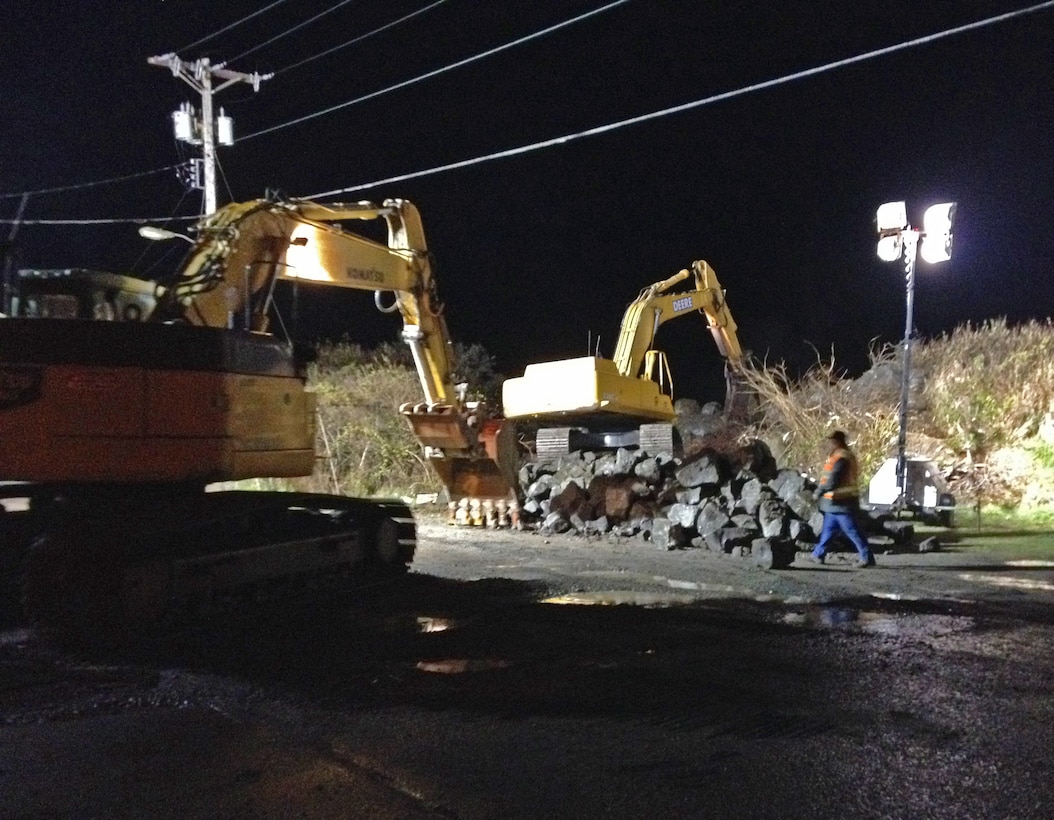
column 701, row 586
column 898, row 625
column 418, row 623
column 459, row 666
column 623, row 597
column 904, row 596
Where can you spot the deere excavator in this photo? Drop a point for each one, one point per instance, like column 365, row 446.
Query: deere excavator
column 592, row 403
column 112, row 430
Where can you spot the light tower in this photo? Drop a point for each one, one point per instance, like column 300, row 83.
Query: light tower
column 208, row 130
column 896, row 239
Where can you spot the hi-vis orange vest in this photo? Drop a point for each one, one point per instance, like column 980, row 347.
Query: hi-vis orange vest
column 848, row 487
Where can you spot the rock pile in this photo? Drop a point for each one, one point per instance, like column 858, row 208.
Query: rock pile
column 741, row 504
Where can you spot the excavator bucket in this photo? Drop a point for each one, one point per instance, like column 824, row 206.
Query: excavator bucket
column 472, row 463
column 438, row 427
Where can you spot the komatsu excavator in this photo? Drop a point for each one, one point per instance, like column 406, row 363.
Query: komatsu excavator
column 113, row 429
column 595, row 403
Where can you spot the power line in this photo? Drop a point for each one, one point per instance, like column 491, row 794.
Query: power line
column 437, row 71
column 83, row 185
column 309, row 59
column 677, row 109
column 288, row 31
column 228, row 28
column 524, row 149
column 139, row 220
column 362, row 37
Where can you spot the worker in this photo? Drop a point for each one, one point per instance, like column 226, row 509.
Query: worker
column 839, row 497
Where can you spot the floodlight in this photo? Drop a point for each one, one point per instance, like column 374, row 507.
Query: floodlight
column 893, row 216
column 936, row 247
column 938, row 218
column 889, row 247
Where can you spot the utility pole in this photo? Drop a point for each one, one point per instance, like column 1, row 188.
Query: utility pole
column 209, row 129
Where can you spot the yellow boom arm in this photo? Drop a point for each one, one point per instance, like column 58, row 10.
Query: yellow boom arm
column 244, row 248
column 655, row 306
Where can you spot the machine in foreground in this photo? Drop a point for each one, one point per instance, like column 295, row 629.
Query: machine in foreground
column 113, row 429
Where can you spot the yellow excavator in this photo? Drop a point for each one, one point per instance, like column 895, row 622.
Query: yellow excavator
column 595, row 403
column 113, row 429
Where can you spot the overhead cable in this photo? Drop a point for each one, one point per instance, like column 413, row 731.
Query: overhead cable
column 437, row 71
column 929, row 38
column 361, row 37
column 82, row 185
column 287, row 32
column 294, row 65
column 137, row 220
column 726, row 95
column 228, row 28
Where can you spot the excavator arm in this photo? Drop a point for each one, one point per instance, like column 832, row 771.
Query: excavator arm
column 656, row 305
column 245, row 248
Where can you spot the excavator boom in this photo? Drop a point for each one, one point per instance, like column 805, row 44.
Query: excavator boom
column 246, row 248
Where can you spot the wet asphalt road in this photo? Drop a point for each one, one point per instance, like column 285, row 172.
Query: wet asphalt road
column 920, row 689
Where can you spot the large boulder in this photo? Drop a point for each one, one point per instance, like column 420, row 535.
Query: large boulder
column 711, row 518
column 682, row 514
column 613, row 496
column 750, row 496
column 571, row 500
column 773, row 516
column 731, row 537
column 706, row 468
column 773, row 553
column 757, row 458
column 666, row 535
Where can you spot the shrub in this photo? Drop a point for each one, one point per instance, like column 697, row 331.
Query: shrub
column 365, row 446
column 980, row 404
column 988, row 386
column 796, row 415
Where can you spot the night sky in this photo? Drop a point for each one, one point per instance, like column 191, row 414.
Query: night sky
column 538, row 253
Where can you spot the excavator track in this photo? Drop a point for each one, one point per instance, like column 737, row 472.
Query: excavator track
column 109, row 568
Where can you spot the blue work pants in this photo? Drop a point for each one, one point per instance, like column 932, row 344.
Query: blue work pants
column 833, row 522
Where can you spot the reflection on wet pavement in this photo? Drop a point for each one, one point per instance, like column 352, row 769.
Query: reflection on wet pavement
column 617, row 597
column 458, row 666
column 898, row 625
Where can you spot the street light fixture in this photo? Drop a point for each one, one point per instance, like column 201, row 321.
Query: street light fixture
column 156, row 234
column 896, row 238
